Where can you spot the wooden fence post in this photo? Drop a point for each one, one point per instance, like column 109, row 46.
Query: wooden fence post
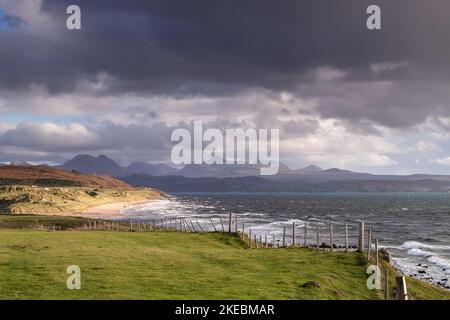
column 386, row 284
column 235, row 224
column 293, row 234
column 376, row 251
column 369, row 244
column 243, row 228
column 255, row 241
column 331, row 237
column 229, row 223
column 250, row 238
column 361, row 237
column 267, row 245
column 318, row 237
column 221, row 222
column 346, row 237
column 215, row 230
column 401, row 292
column 305, row 243
column 284, row 236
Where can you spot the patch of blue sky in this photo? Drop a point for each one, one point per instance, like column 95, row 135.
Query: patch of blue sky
column 3, row 24
column 7, row 22
column 15, row 118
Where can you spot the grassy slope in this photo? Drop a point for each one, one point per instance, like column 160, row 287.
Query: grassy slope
column 51, row 177
column 22, row 199
column 172, row 265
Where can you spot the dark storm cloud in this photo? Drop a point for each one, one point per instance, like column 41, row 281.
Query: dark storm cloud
column 391, row 103
column 214, row 47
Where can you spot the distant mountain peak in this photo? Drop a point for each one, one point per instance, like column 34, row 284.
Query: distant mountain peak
column 336, row 170
column 83, row 156
column 103, row 157
column 20, row 164
column 103, row 165
column 312, row 168
column 150, row 169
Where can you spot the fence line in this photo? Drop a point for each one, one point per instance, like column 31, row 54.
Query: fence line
column 314, row 235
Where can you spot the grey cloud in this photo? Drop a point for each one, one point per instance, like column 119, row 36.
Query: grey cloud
column 223, row 48
column 133, row 142
column 298, row 128
column 388, row 103
column 149, row 143
column 217, row 47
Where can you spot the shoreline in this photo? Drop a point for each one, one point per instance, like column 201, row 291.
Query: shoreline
column 104, row 211
column 112, row 210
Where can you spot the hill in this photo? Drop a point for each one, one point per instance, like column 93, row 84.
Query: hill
column 101, row 165
column 45, row 190
column 47, row 176
column 67, row 200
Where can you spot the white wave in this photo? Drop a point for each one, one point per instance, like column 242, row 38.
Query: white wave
column 153, row 205
column 245, row 214
column 441, row 262
column 418, row 252
column 405, row 265
column 419, row 245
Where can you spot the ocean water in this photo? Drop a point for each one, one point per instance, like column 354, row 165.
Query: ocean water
column 414, row 227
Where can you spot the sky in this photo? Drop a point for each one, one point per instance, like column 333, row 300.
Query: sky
column 341, row 95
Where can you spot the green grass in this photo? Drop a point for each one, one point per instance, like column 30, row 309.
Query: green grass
column 172, row 265
column 10, row 221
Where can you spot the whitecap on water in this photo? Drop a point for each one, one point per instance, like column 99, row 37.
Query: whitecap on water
column 419, row 252
column 419, row 245
column 441, row 262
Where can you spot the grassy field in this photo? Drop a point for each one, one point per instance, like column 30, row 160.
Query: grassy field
column 172, row 265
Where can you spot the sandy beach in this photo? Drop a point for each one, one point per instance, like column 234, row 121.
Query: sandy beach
column 111, row 210
column 105, row 211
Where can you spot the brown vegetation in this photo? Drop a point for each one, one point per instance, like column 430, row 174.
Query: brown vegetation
column 47, row 176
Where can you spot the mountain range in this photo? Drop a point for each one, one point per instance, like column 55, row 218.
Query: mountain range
column 102, row 165
column 246, row 178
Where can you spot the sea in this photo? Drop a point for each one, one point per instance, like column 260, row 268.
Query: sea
column 414, row 227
